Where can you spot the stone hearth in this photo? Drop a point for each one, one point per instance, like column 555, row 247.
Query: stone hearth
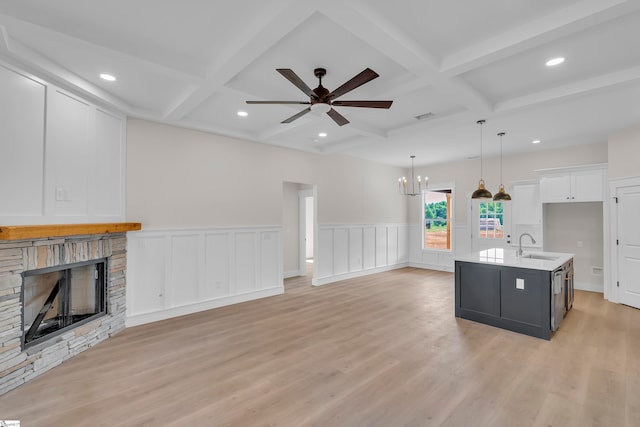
column 17, row 365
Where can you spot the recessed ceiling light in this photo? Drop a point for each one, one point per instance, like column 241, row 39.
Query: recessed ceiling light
column 555, row 61
column 243, row 113
column 107, row 77
column 322, row 134
column 535, row 141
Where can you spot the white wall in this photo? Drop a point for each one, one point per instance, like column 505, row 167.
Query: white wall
column 624, row 152
column 183, row 178
column 578, row 228
column 180, row 180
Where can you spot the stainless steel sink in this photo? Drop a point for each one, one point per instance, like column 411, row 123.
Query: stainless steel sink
column 540, row 256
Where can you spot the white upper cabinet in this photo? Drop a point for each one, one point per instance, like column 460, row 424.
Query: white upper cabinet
column 572, row 185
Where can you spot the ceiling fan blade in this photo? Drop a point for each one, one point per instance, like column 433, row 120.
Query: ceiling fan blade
column 278, row 102
column 365, row 76
column 297, row 116
column 297, row 81
column 337, row 117
column 366, row 104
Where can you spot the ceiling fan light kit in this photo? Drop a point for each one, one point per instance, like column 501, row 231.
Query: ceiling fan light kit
column 321, row 100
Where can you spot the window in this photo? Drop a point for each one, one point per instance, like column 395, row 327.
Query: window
column 437, row 219
column 491, row 220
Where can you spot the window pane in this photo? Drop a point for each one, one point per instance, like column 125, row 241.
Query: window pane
column 491, row 221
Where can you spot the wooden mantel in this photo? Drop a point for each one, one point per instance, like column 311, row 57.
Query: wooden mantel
column 23, row 232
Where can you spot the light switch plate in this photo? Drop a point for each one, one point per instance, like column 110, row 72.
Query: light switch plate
column 519, row 283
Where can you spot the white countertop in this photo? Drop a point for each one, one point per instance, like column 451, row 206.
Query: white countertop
column 508, row 258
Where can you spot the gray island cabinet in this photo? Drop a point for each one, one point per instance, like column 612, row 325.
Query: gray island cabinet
column 529, row 294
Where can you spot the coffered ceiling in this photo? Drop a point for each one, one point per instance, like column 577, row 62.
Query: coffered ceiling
column 194, row 63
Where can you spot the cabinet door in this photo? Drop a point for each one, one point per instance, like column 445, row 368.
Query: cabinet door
column 526, row 204
column 587, row 186
column 555, row 188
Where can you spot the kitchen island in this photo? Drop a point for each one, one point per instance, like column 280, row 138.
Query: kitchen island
column 529, row 294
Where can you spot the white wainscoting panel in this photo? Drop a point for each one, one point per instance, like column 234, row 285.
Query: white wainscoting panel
column 437, row 260
column 340, row 251
column 176, row 272
column 185, row 262
column 346, row 251
column 355, row 249
column 217, row 260
column 369, row 247
column 147, row 272
column 381, row 246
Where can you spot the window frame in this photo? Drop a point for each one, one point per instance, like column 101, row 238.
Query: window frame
column 451, row 220
column 491, row 216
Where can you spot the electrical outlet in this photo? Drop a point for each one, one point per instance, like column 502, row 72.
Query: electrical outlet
column 519, row 283
column 59, row 194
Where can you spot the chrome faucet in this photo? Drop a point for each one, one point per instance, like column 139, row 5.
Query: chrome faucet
column 520, row 242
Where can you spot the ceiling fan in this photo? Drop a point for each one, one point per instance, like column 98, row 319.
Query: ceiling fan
column 320, row 99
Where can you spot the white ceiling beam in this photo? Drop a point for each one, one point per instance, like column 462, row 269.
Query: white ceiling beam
column 569, row 20
column 244, row 49
column 32, row 61
column 184, row 74
column 579, row 88
column 376, row 30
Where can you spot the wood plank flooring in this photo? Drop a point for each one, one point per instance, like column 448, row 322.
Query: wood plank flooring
column 382, row 350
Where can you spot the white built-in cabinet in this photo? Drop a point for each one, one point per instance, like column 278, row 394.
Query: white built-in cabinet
column 584, row 184
column 63, row 157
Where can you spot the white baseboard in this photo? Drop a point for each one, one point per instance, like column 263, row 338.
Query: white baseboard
column 345, row 276
column 591, row 287
column 436, row 267
column 293, row 273
column 141, row 319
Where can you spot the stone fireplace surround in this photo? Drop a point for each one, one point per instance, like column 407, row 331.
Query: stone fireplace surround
column 35, row 251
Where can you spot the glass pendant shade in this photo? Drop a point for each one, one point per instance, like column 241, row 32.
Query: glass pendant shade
column 481, row 192
column 501, row 195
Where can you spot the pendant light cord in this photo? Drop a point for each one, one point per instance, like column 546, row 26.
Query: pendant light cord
column 501, row 135
column 481, row 122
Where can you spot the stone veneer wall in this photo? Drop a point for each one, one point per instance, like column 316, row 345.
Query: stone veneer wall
column 18, row 366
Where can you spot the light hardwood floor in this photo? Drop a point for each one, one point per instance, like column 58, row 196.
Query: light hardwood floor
column 382, row 350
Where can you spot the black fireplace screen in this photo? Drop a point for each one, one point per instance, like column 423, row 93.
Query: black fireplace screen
column 58, row 298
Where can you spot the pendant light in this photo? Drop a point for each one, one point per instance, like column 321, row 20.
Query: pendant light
column 481, row 192
column 402, row 183
column 501, row 195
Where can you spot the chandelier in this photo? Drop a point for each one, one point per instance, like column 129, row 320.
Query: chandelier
column 404, row 189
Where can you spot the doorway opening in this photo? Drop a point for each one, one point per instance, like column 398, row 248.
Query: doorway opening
column 306, row 222
column 299, row 229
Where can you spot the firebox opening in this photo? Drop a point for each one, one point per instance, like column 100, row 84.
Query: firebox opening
column 59, row 298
